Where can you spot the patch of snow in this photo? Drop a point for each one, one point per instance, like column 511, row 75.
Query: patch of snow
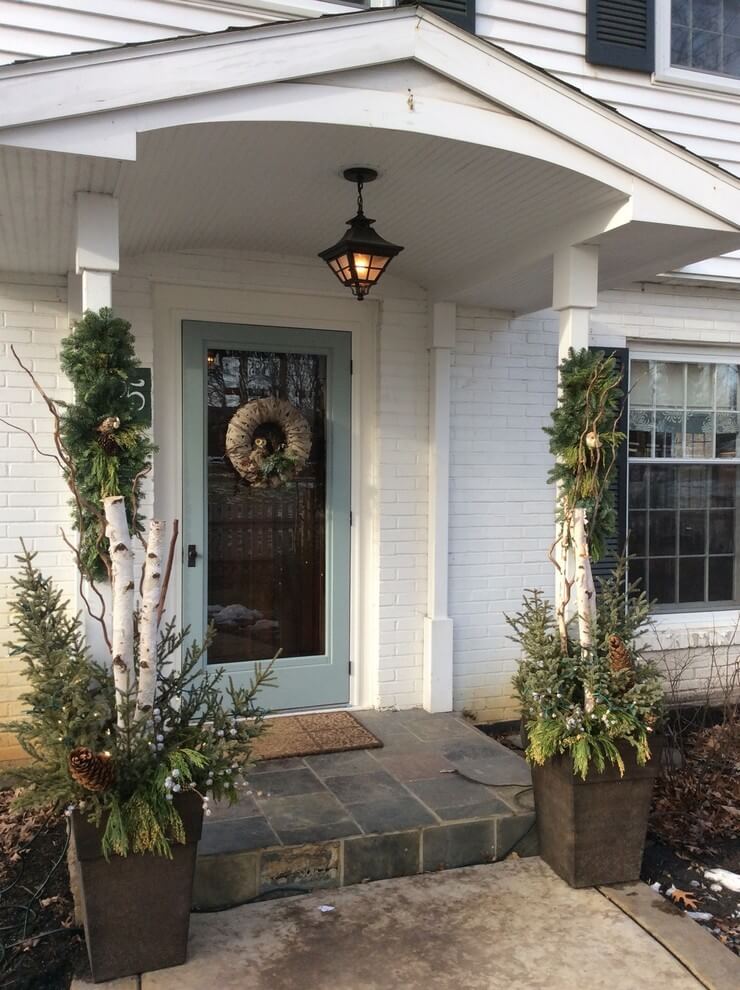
column 726, row 878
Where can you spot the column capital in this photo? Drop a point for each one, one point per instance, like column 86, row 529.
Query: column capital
column 443, row 325
column 575, row 280
column 96, row 241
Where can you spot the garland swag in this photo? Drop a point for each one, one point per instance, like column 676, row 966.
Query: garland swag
column 102, row 429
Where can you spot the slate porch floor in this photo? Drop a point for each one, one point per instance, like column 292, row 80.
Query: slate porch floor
column 439, row 794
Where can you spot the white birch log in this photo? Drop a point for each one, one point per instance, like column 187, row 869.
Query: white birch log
column 585, row 592
column 122, row 587
column 148, row 621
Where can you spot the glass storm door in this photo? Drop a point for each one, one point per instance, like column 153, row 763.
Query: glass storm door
column 266, row 504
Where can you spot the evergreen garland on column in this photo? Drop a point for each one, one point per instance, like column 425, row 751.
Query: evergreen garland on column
column 103, row 430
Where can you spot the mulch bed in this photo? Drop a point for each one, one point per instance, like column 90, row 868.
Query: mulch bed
column 40, row 946
column 695, row 827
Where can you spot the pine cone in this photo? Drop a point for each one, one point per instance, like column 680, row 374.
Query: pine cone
column 106, row 437
column 619, row 656
column 93, row 771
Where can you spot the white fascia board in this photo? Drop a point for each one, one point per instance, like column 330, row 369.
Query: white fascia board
column 139, row 76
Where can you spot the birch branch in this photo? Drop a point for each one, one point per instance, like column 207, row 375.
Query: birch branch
column 585, row 593
column 148, row 623
column 122, row 586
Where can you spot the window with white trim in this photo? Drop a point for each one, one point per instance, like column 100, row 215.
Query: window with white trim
column 684, row 482
column 705, row 36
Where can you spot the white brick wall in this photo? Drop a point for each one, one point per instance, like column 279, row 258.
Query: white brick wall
column 33, row 497
column 501, row 518
column 501, row 525
column 501, row 510
column 403, row 432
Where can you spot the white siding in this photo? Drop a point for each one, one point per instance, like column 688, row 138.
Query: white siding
column 552, row 34
column 30, row 29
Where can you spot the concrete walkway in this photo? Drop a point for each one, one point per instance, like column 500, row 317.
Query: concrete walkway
column 507, row 925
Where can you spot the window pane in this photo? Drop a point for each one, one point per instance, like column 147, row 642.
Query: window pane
column 641, row 384
column 706, row 15
column 727, row 435
column 692, row 487
column 680, row 46
column 727, row 386
column 669, row 432
column 732, row 17
column 637, row 532
column 700, row 386
column 662, row 580
column 723, row 487
column 691, row 579
column 721, row 580
column 662, row 533
column 680, row 12
column 706, row 50
column 641, row 433
column 693, row 533
column 662, row 487
column 699, row 438
column 669, row 383
column 722, row 531
column 636, row 573
column 638, row 474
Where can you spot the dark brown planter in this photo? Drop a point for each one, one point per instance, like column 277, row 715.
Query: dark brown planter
column 136, row 909
column 592, row 831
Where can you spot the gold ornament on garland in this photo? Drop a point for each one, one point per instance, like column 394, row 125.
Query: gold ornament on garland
column 268, row 442
column 93, row 771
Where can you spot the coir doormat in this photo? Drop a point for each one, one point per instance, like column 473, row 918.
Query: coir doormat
column 308, row 735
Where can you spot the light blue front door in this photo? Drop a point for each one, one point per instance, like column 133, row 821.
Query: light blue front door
column 267, row 556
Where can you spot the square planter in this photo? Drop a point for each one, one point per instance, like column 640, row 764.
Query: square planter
column 136, row 909
column 592, row 831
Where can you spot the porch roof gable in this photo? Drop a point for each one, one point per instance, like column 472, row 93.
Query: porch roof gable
column 41, row 98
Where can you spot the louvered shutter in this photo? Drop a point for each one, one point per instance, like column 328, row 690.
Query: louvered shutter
column 602, row 569
column 460, row 12
column 621, row 33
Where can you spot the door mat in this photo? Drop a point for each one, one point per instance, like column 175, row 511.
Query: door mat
column 308, row 735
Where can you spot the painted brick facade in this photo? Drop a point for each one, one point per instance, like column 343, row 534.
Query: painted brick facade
column 33, row 497
column 501, row 509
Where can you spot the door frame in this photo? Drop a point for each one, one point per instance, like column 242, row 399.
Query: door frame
column 174, row 303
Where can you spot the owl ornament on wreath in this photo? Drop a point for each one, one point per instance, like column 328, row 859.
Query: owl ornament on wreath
column 268, row 442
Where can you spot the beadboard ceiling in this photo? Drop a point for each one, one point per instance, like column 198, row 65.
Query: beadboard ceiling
column 274, row 187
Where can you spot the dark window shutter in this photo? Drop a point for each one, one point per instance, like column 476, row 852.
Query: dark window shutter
column 602, row 569
column 460, row 12
column 621, row 33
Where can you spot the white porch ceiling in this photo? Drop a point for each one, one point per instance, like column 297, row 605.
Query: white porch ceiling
column 278, row 188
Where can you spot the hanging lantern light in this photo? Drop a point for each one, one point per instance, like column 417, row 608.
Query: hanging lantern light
column 362, row 255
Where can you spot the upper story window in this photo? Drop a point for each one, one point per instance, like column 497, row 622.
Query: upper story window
column 705, row 35
column 684, row 482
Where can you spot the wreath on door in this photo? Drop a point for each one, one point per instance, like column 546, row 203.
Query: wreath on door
column 268, row 442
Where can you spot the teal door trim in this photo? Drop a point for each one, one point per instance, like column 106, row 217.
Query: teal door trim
column 303, row 682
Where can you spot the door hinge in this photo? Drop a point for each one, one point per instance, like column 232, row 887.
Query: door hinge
column 349, row 667
column 350, row 517
column 351, row 367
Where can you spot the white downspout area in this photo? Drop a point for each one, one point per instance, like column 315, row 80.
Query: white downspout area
column 438, row 626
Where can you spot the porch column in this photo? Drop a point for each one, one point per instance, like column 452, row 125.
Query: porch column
column 574, row 294
column 96, row 249
column 437, row 680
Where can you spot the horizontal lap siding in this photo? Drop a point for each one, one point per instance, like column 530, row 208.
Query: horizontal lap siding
column 59, row 27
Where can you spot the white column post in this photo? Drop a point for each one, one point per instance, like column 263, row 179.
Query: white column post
column 574, row 294
column 90, row 286
column 96, row 248
column 437, row 679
